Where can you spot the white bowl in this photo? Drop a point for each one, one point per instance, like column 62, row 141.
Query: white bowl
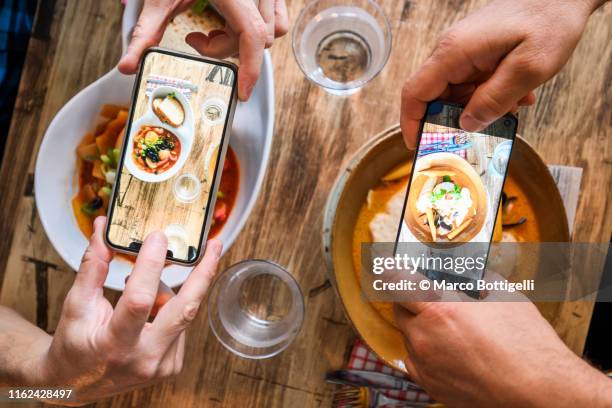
column 55, row 173
column 184, row 133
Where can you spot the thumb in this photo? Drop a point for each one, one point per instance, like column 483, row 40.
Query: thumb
column 148, row 32
column 514, row 78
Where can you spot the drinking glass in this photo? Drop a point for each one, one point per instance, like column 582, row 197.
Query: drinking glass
column 255, row 309
column 500, row 159
column 187, row 188
column 341, row 45
column 214, row 109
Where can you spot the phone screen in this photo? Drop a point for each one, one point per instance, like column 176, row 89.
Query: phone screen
column 457, row 179
column 173, row 146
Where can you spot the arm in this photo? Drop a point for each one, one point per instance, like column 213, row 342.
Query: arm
column 98, row 350
column 24, row 347
column 502, row 354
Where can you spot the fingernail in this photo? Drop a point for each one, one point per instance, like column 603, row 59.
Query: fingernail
column 99, row 222
column 217, row 247
column 243, row 95
column 247, row 92
column 470, row 124
column 214, row 33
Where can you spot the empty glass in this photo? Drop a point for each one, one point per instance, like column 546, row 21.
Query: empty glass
column 255, row 309
column 187, row 188
column 341, row 45
column 500, row 159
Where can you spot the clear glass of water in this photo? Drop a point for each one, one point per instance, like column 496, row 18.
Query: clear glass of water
column 341, row 45
column 500, row 159
column 187, row 188
column 255, row 309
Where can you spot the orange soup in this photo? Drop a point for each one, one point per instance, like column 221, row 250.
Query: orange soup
column 155, row 149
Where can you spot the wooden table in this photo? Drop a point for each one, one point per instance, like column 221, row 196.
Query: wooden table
column 315, row 133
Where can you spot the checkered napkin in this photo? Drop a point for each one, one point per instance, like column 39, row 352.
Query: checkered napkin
column 362, row 358
column 436, row 137
column 187, row 88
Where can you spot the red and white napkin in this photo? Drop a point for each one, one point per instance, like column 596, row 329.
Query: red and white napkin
column 187, row 88
column 436, row 137
column 362, row 358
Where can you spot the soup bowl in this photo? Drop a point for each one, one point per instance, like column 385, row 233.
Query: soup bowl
column 349, row 193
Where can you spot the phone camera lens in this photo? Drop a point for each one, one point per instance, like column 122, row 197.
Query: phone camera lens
column 507, row 123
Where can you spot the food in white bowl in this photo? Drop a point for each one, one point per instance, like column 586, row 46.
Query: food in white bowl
column 161, row 139
column 155, row 149
column 171, row 107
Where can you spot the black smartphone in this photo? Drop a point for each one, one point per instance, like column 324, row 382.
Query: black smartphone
column 173, row 151
column 456, row 183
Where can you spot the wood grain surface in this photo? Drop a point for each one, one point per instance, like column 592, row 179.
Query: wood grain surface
column 315, row 134
column 157, row 202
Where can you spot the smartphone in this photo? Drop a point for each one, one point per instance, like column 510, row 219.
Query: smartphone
column 456, row 185
column 173, row 151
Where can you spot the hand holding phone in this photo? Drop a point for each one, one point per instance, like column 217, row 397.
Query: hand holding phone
column 98, row 350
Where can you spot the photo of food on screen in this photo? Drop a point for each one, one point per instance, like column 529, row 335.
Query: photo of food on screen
column 172, row 151
column 456, row 186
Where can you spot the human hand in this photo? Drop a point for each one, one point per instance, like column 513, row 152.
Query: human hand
column 493, row 60
column 99, row 351
column 500, row 354
column 251, row 26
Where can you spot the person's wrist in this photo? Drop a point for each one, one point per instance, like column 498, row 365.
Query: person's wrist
column 603, row 391
column 594, row 389
column 55, row 369
column 570, row 382
column 32, row 372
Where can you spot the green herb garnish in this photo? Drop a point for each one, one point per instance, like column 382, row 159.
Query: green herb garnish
column 92, row 207
column 106, row 190
column 199, row 6
column 116, row 155
column 435, row 196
